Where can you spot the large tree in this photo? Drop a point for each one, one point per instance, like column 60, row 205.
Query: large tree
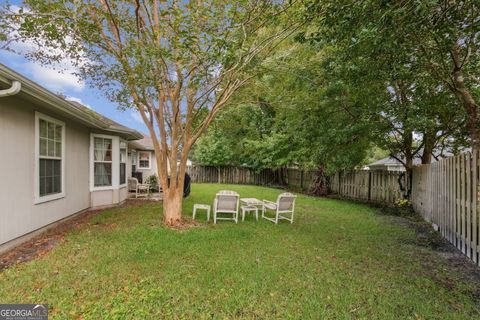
column 176, row 62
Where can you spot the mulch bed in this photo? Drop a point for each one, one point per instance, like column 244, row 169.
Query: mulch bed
column 43, row 243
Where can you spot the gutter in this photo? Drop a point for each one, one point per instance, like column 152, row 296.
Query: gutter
column 13, row 90
column 38, row 92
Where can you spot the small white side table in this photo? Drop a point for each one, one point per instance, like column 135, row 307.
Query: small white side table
column 249, row 209
column 201, row 206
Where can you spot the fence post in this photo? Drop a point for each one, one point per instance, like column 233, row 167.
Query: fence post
column 301, row 179
column 369, row 185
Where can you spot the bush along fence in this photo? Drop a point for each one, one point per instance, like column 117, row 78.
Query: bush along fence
column 446, row 193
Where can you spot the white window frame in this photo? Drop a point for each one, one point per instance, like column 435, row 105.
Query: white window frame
column 149, row 160
column 115, row 162
column 126, row 161
column 133, row 155
column 37, row 198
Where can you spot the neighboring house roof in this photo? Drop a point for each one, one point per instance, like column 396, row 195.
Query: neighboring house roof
column 73, row 110
column 390, row 161
column 145, row 143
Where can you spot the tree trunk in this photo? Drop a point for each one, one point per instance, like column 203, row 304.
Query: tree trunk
column 463, row 94
column 320, row 184
column 283, row 180
column 428, row 145
column 172, row 205
column 470, row 107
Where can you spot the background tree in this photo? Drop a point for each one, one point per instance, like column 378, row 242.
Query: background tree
column 435, row 43
column 379, row 65
column 289, row 115
column 177, row 62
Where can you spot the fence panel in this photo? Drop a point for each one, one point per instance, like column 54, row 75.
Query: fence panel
column 378, row 186
column 297, row 178
column 446, row 193
column 233, row 175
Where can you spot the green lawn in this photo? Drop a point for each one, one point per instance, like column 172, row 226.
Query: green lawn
column 339, row 260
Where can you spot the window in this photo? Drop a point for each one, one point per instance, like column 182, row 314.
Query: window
column 50, row 144
column 144, row 160
column 123, row 162
column 102, row 161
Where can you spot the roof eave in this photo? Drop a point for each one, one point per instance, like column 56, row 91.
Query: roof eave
column 129, row 134
column 38, row 92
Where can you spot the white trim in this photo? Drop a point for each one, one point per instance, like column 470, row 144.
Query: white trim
column 149, row 160
column 37, row 198
column 115, row 162
column 133, row 156
column 126, row 162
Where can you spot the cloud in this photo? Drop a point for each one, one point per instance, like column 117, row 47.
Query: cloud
column 56, row 80
column 70, row 98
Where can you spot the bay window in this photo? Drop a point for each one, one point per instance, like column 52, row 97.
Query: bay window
column 103, row 159
column 108, row 162
column 123, row 162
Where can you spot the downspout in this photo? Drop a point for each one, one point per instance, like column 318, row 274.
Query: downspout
column 13, row 90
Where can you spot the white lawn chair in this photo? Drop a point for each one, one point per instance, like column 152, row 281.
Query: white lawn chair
column 226, row 202
column 140, row 189
column 285, row 205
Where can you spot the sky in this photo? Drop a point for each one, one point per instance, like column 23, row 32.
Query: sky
column 67, row 84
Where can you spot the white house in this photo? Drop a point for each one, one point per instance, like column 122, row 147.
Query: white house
column 59, row 158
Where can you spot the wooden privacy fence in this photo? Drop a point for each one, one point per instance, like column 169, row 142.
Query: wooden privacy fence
column 233, row 175
column 377, row 186
column 302, row 179
column 297, row 178
column 446, row 193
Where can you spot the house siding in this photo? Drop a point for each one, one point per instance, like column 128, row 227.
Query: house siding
column 18, row 213
column 106, row 198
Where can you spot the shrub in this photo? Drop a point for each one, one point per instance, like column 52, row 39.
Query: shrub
column 153, row 181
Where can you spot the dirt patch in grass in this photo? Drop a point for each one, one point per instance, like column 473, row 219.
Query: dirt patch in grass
column 184, row 224
column 43, row 243
column 443, row 263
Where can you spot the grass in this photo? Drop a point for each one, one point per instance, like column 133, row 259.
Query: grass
column 339, row 260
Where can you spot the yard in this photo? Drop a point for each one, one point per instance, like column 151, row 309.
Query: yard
column 338, row 260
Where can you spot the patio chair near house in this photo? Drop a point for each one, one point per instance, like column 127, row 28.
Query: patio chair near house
column 284, row 208
column 140, row 189
column 226, row 202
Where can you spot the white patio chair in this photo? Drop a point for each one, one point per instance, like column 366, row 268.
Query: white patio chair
column 285, row 205
column 226, row 202
column 138, row 188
